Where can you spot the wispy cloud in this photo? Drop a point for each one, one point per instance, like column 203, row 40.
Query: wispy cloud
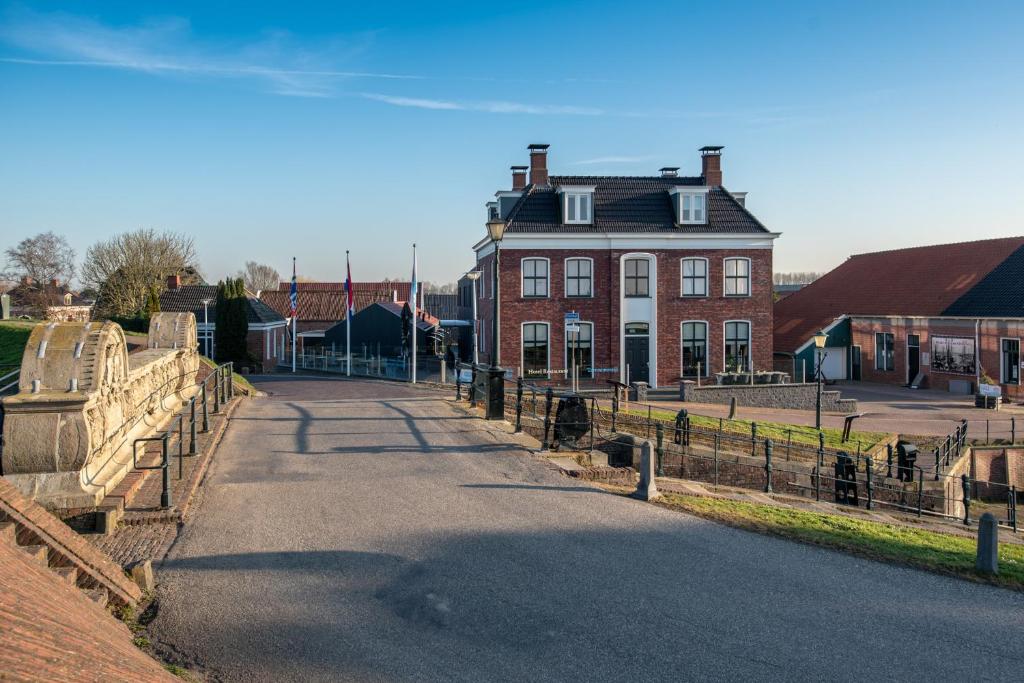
column 492, row 107
column 276, row 61
column 613, row 160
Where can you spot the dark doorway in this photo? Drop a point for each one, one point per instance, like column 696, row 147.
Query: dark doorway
column 855, row 363
column 637, row 358
column 913, row 357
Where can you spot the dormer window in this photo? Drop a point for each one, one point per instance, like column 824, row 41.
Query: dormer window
column 577, row 205
column 690, row 205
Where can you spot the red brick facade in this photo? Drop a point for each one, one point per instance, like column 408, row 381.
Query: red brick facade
column 990, row 334
column 603, row 309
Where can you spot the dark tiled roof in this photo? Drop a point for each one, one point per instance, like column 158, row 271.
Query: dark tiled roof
column 366, row 293
column 424, row 322
column 921, row 281
column 189, row 298
column 998, row 295
column 629, row 204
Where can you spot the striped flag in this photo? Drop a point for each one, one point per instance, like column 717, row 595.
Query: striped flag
column 413, row 287
column 294, row 297
column 351, row 299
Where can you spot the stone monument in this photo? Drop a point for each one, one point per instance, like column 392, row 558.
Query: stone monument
column 82, row 401
column 646, row 489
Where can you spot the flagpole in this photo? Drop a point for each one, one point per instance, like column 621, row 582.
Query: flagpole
column 348, row 318
column 295, row 317
column 415, row 326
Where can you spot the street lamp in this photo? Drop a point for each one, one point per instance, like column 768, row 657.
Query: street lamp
column 496, row 230
column 819, row 345
column 473, row 276
column 206, row 326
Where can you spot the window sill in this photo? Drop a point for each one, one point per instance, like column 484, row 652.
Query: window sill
column 693, row 296
column 736, row 296
column 534, row 297
column 579, row 296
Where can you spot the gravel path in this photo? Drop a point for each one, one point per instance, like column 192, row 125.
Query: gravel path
column 355, row 530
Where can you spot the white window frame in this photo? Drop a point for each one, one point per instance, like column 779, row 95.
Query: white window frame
column 579, row 201
column 892, row 350
column 625, row 277
column 568, row 344
column 750, row 343
column 682, row 277
column 565, row 278
column 707, row 346
column 726, row 276
column 680, row 195
column 522, row 348
column 522, row 277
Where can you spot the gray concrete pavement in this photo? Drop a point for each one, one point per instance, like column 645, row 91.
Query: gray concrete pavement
column 368, row 531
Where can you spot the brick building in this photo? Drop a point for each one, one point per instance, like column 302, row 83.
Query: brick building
column 267, row 335
column 667, row 273
column 936, row 317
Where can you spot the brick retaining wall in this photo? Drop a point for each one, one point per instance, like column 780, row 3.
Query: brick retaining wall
column 793, row 396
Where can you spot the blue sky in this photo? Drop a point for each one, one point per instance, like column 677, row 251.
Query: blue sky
column 279, row 130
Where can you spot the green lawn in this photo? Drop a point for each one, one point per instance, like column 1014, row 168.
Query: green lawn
column 929, row 550
column 777, row 431
column 13, row 337
column 239, row 380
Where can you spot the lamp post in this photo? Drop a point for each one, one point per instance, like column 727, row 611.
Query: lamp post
column 819, row 346
column 496, row 230
column 473, row 276
column 206, row 326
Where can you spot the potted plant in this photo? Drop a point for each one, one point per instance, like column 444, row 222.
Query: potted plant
column 989, row 393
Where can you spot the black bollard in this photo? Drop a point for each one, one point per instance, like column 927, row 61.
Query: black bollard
column 660, row 448
column 869, row 464
column 767, row 465
column 548, row 396
column 965, row 484
column 519, row 404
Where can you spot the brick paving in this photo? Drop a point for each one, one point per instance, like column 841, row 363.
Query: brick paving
column 147, row 531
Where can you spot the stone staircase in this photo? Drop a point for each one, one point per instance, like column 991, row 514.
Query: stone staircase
column 45, row 540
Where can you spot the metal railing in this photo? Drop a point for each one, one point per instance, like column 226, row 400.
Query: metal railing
column 197, row 414
column 720, row 456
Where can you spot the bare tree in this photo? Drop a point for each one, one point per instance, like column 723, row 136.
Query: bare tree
column 797, row 278
column 43, row 258
column 259, row 277
column 124, row 268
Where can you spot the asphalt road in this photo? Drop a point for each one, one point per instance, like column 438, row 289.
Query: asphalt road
column 368, row 531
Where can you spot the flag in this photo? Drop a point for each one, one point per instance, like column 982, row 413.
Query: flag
column 413, row 287
column 294, row 297
column 351, row 300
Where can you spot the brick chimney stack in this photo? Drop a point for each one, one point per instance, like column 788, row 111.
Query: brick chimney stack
column 174, row 282
column 711, row 165
column 538, row 164
column 519, row 177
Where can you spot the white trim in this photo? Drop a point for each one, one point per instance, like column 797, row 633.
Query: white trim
column 565, row 277
column 522, row 277
column 263, row 326
column 508, row 193
column 1001, row 365
column 577, row 188
column 750, row 343
column 707, row 346
column 677, row 193
column 652, row 337
column 567, row 193
column 825, row 329
column 565, row 340
column 628, row 241
column 522, row 345
column 707, row 278
column 750, row 277
column 266, row 344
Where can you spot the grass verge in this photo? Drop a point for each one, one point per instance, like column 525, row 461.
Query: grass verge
column 13, row 337
column 941, row 553
column 777, row 431
column 239, row 381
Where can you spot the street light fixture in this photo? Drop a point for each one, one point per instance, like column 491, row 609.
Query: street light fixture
column 496, row 230
column 819, row 345
column 473, row 276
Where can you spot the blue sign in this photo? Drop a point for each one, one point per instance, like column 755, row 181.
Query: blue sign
column 572, row 316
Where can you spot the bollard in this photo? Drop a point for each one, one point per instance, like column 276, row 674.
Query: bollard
column 753, row 439
column 732, row 408
column 965, row 484
column 660, row 448
column 869, row 464
column 458, row 383
column 548, row 396
column 519, row 404
column 216, row 393
column 888, row 460
column 206, row 409
column 767, row 465
column 646, row 489
column 987, row 561
column 192, row 426
column 938, row 461
column 165, row 493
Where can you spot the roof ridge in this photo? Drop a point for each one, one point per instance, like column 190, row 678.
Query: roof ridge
column 935, row 246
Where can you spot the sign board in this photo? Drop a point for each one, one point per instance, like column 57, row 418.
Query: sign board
column 572, row 328
column 465, row 376
column 572, row 317
column 990, row 390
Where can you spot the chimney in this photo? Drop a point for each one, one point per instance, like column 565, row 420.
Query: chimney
column 173, row 282
column 711, row 165
column 519, row 177
column 669, row 171
column 55, row 283
column 538, row 164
